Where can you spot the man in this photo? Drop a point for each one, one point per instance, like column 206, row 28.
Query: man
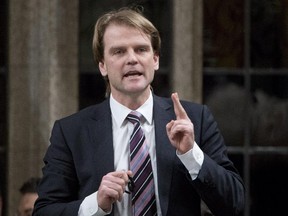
column 28, row 196
column 88, row 167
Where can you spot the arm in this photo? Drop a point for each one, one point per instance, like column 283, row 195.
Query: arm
column 218, row 182
column 71, row 176
column 58, row 190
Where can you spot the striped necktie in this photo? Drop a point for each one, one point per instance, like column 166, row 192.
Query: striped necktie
column 143, row 194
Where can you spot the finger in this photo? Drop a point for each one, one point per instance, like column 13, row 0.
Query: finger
column 169, row 125
column 129, row 173
column 118, row 174
column 124, row 175
column 178, row 109
column 117, row 180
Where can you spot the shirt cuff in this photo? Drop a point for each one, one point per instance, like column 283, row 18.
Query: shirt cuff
column 192, row 160
column 89, row 207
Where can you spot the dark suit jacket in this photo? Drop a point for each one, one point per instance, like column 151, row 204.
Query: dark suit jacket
column 81, row 153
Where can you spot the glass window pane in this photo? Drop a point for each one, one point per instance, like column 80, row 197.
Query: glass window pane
column 269, row 33
column 223, row 33
column 225, row 96
column 269, row 186
column 270, row 110
column 238, row 161
column 92, row 89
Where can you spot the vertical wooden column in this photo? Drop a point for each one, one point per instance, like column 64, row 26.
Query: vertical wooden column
column 187, row 49
column 42, row 82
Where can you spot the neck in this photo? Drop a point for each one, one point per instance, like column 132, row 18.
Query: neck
column 132, row 101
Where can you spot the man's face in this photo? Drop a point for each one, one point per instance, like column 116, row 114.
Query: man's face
column 26, row 204
column 129, row 61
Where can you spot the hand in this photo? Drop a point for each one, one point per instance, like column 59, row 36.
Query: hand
column 180, row 131
column 112, row 188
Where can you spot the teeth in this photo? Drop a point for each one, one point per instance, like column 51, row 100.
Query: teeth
column 133, row 74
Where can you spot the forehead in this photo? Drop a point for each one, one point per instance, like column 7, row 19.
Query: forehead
column 116, row 33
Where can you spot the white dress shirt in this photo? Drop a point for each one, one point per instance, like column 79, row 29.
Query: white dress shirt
column 122, row 130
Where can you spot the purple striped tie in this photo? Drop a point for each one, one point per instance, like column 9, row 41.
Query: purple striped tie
column 143, row 194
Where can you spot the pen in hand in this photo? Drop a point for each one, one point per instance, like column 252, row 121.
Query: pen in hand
column 131, row 185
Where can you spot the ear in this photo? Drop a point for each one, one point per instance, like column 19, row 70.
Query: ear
column 156, row 61
column 102, row 68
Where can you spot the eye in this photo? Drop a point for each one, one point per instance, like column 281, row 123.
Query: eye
column 142, row 49
column 118, row 51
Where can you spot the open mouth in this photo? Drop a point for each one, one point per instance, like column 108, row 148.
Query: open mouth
column 132, row 73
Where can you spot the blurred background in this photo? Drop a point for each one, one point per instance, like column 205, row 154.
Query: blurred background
column 231, row 55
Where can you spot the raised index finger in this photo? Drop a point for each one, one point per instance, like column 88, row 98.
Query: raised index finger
column 178, row 109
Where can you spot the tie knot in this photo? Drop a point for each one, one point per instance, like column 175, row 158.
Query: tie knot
column 134, row 117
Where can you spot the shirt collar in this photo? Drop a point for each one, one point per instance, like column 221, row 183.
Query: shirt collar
column 120, row 112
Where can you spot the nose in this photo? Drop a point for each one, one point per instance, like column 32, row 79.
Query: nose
column 131, row 58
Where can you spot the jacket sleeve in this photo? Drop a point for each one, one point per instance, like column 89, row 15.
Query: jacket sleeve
column 218, row 183
column 59, row 187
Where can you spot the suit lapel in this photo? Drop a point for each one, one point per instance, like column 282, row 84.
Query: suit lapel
column 100, row 129
column 163, row 113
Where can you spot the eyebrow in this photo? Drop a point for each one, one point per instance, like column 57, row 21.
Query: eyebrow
column 113, row 48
